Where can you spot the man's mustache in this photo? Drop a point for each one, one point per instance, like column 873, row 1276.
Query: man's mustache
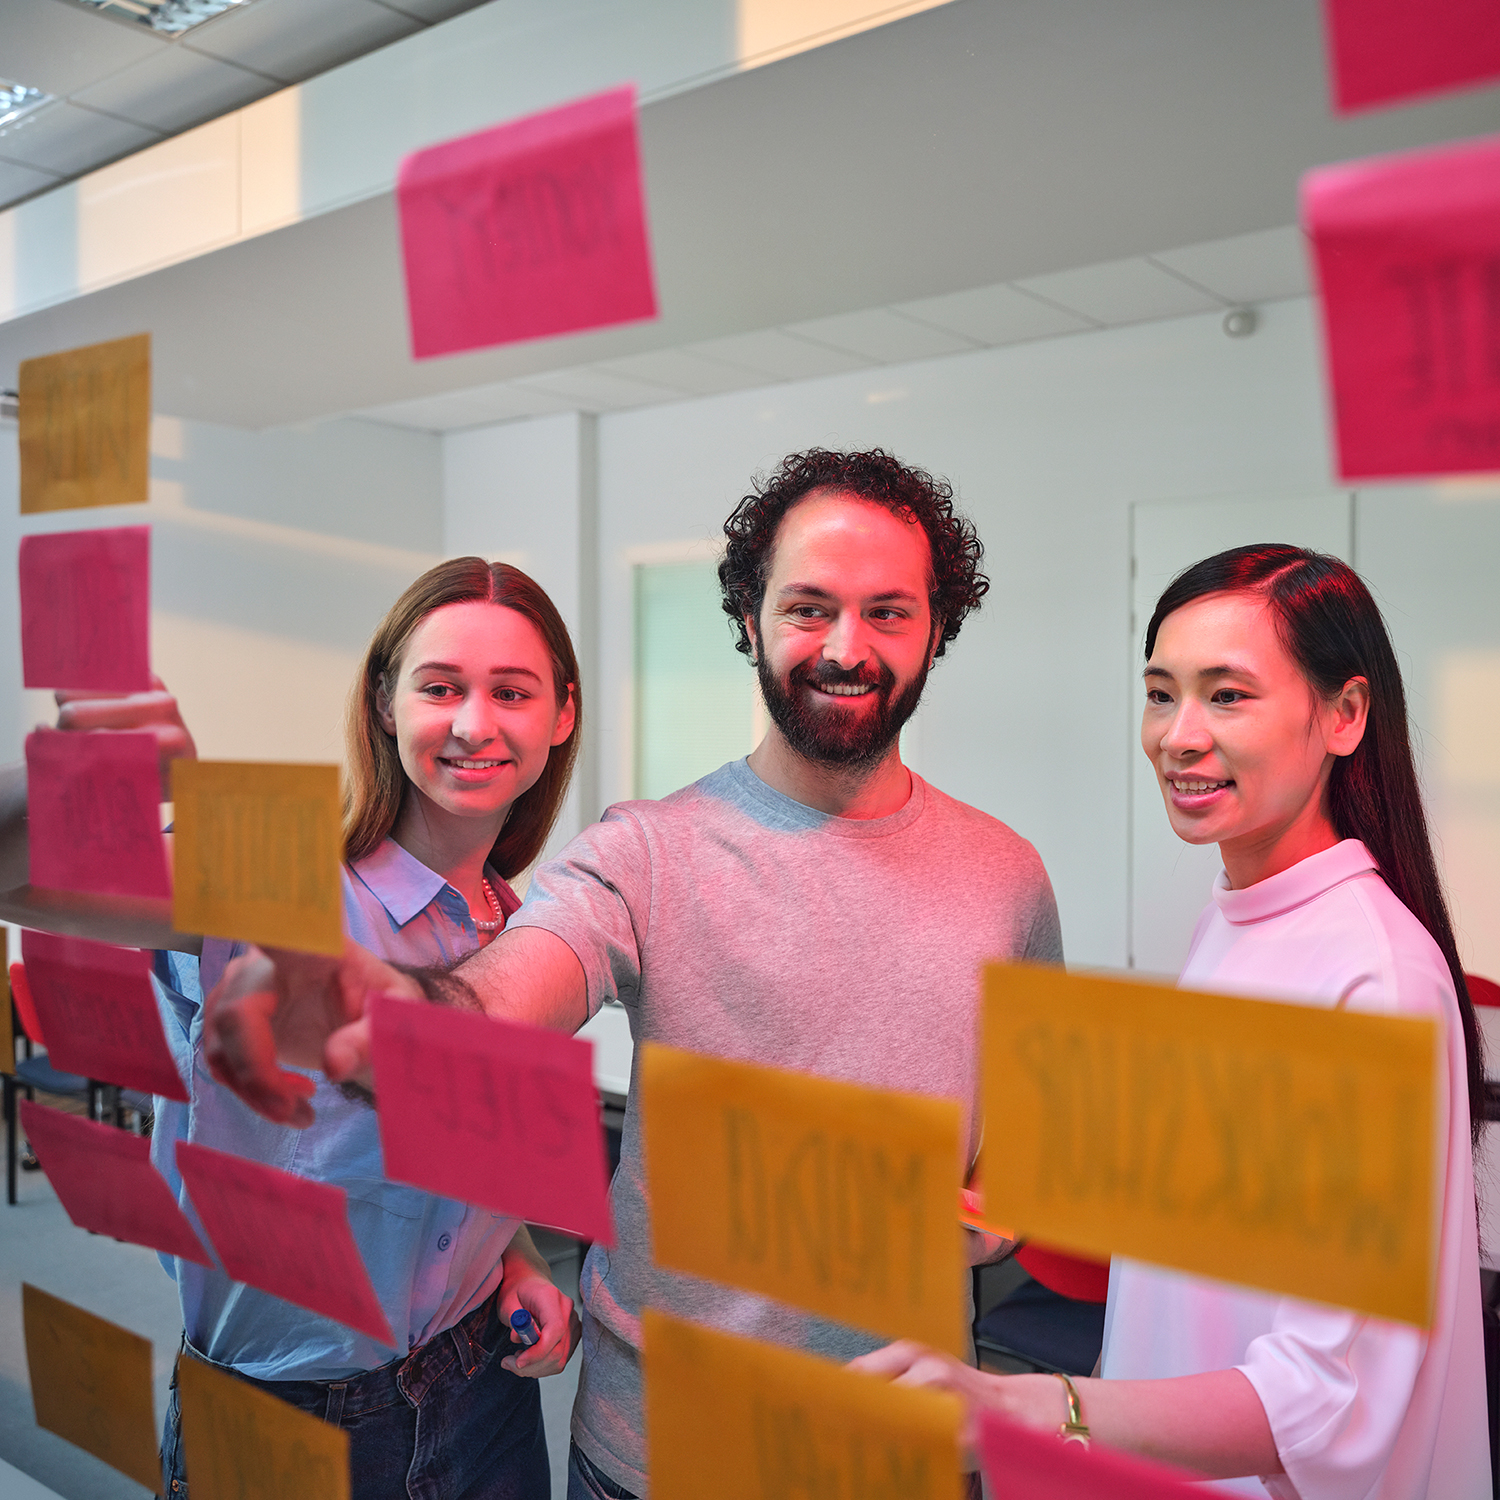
column 830, row 674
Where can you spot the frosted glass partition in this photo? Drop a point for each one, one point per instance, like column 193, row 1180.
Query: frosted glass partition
column 695, row 698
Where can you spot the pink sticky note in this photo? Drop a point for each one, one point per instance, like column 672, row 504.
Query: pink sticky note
column 86, row 609
column 492, row 1113
column 107, row 1184
column 284, row 1234
column 533, row 228
column 99, row 1014
column 1384, row 50
column 94, row 804
column 1406, row 249
column 1021, row 1464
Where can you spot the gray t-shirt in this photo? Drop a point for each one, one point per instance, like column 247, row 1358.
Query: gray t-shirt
column 729, row 919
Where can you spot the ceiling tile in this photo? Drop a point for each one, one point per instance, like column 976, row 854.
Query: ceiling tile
column 1121, row 291
column 779, row 355
column 883, row 336
column 995, row 315
column 500, row 402
column 176, row 89
column 17, row 181
column 62, row 137
column 593, row 389
column 1247, row 268
column 60, row 48
column 293, row 39
column 690, row 374
column 433, row 11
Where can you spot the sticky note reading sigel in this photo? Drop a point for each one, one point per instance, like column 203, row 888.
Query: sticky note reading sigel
column 86, row 609
column 94, row 802
column 832, row 1197
column 91, row 1384
column 99, row 1013
column 242, row 1443
column 256, row 850
column 740, row 1420
column 1385, row 50
column 285, row 1234
column 107, row 1184
column 493, row 1113
column 533, row 228
column 1285, row 1147
column 1406, row 249
column 86, row 426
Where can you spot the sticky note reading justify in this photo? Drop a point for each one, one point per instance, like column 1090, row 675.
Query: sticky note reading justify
column 91, row 1384
column 834, row 1198
column 246, row 1443
column 1407, row 248
column 1280, row 1146
column 256, row 851
column 86, row 426
column 740, row 1420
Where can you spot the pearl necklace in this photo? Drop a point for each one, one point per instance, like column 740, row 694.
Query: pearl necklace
column 494, row 901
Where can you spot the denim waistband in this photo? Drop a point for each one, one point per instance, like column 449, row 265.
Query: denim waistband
column 406, row 1378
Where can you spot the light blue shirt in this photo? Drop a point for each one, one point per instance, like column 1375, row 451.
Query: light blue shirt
column 432, row 1260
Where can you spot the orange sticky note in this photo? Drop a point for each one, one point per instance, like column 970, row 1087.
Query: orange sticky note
column 1286, row 1147
column 91, row 1384
column 835, row 1198
column 739, row 1420
column 256, row 850
column 86, row 426
column 242, row 1443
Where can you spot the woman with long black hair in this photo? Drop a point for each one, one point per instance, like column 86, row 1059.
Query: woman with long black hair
column 1276, row 722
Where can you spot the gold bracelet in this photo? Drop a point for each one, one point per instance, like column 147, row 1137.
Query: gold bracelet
column 1074, row 1430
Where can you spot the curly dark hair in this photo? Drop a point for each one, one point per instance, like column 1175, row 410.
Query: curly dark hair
column 876, row 476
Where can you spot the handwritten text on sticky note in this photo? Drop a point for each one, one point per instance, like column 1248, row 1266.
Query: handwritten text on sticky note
column 99, row 1013
column 286, row 1235
column 91, row 1384
column 106, row 1182
column 256, row 850
column 491, row 1112
column 533, row 228
column 1281, row 1146
column 86, row 609
column 86, row 426
column 94, row 803
column 832, row 1197
column 1385, row 50
column 245, row 1443
column 740, row 1420
column 1406, row 251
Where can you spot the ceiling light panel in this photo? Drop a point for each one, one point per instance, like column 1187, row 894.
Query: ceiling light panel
column 18, row 100
column 170, row 17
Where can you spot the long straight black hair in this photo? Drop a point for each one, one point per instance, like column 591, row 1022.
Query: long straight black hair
column 1332, row 629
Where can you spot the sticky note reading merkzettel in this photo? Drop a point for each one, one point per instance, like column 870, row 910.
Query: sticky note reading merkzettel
column 85, row 420
column 835, row 1198
column 1406, row 250
column 242, row 1443
column 740, row 1420
column 533, row 228
column 256, row 850
column 1285, row 1147
column 91, row 1384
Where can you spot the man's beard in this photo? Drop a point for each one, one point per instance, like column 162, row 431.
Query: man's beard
column 834, row 737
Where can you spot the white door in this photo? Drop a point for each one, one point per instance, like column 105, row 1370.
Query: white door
column 1170, row 880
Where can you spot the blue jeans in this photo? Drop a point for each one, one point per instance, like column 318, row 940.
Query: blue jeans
column 585, row 1482
column 445, row 1422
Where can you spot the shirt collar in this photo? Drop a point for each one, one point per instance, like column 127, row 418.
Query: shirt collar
column 1304, row 882
column 399, row 881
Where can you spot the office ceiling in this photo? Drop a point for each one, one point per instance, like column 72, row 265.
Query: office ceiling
column 118, row 86
column 1049, row 157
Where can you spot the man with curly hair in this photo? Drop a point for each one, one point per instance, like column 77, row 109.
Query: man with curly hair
column 816, row 906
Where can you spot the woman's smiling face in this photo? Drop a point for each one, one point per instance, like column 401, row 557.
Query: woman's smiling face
column 1241, row 745
column 474, row 709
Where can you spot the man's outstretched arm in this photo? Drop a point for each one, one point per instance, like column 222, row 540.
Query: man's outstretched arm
column 298, row 1008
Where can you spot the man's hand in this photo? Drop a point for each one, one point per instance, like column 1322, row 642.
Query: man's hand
column 288, row 1006
column 556, row 1322
column 155, row 712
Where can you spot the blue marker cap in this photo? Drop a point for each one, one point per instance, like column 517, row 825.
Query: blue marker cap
column 525, row 1329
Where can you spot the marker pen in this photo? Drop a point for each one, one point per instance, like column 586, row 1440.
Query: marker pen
column 525, row 1329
